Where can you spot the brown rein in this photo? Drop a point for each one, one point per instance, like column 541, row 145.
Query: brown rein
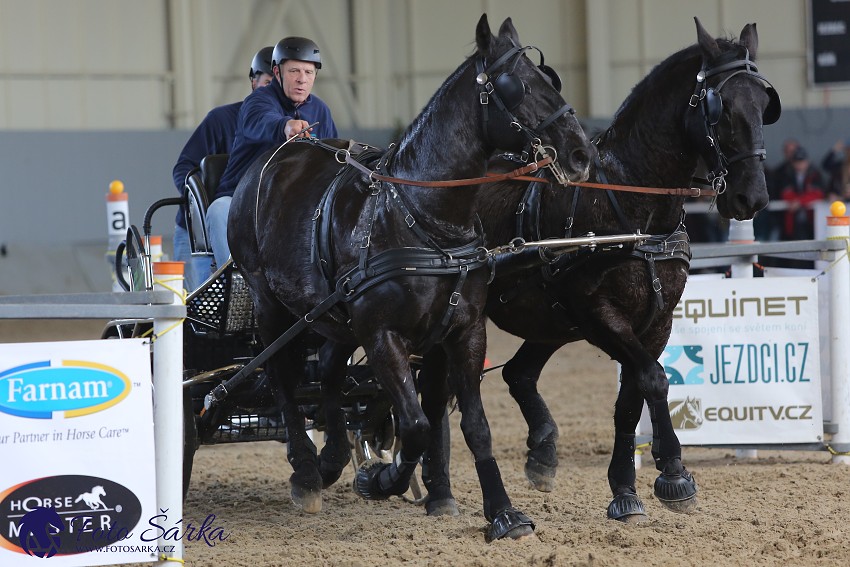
column 519, row 174
column 675, row 191
column 516, row 173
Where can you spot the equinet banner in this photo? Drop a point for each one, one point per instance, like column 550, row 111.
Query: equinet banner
column 743, row 362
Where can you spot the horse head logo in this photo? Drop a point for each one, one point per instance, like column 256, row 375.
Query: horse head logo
column 687, row 413
column 40, row 530
column 92, row 499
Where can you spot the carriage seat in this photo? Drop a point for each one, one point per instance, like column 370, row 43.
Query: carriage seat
column 199, row 191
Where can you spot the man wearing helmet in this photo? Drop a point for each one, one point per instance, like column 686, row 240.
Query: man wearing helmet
column 268, row 118
column 214, row 135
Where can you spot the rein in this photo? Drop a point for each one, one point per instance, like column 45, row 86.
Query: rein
column 675, row 191
column 374, row 176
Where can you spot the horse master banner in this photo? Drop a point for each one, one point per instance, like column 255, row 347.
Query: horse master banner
column 77, row 478
column 743, row 362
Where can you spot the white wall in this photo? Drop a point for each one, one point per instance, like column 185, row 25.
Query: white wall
column 160, row 64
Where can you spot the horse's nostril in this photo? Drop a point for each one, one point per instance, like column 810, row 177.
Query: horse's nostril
column 579, row 159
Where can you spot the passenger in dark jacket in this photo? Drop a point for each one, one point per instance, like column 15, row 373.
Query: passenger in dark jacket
column 214, row 135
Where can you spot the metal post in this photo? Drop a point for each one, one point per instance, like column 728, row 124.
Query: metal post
column 741, row 232
column 168, row 407
column 838, row 228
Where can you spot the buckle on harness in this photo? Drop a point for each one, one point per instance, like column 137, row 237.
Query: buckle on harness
column 344, row 287
column 656, row 285
column 454, row 299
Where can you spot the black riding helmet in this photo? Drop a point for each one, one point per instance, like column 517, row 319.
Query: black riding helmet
column 299, row 48
column 262, row 62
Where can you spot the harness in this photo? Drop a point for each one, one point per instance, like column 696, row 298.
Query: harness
column 427, row 260
column 371, row 270
column 671, row 246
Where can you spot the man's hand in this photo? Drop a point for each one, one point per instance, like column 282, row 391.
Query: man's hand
column 301, row 128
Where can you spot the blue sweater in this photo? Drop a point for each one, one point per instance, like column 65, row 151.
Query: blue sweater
column 261, row 124
column 214, row 135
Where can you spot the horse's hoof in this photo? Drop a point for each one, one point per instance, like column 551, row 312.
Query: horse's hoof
column 443, row 507
column 308, row 500
column 677, row 492
column 306, row 491
column 627, row 508
column 682, row 506
column 510, row 523
column 331, row 465
column 540, row 476
column 366, row 480
column 329, row 474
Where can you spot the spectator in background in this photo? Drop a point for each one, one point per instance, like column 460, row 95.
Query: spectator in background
column 768, row 224
column 214, row 135
column 765, row 223
column 783, row 174
column 800, row 191
column 836, row 165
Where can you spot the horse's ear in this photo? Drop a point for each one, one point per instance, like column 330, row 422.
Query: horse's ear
column 507, row 29
column 709, row 47
column 750, row 39
column 483, row 35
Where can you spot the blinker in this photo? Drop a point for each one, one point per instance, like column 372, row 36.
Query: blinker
column 713, row 106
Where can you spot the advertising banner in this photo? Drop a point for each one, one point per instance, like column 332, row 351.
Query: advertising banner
column 743, row 362
column 77, row 480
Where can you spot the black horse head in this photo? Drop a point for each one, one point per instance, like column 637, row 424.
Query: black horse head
column 514, row 105
column 537, row 125
column 730, row 104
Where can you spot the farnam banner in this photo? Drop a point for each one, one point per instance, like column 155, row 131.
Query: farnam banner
column 77, row 476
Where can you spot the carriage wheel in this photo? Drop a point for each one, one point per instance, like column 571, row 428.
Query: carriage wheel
column 366, row 451
column 371, row 447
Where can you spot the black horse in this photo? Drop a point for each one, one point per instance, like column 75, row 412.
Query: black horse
column 707, row 101
column 353, row 245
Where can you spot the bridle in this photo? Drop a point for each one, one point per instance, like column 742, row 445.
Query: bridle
column 708, row 101
column 507, row 91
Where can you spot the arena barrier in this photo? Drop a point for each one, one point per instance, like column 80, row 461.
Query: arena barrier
column 830, row 256
column 167, row 311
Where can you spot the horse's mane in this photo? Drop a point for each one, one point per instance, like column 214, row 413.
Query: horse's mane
column 673, row 66
column 425, row 114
